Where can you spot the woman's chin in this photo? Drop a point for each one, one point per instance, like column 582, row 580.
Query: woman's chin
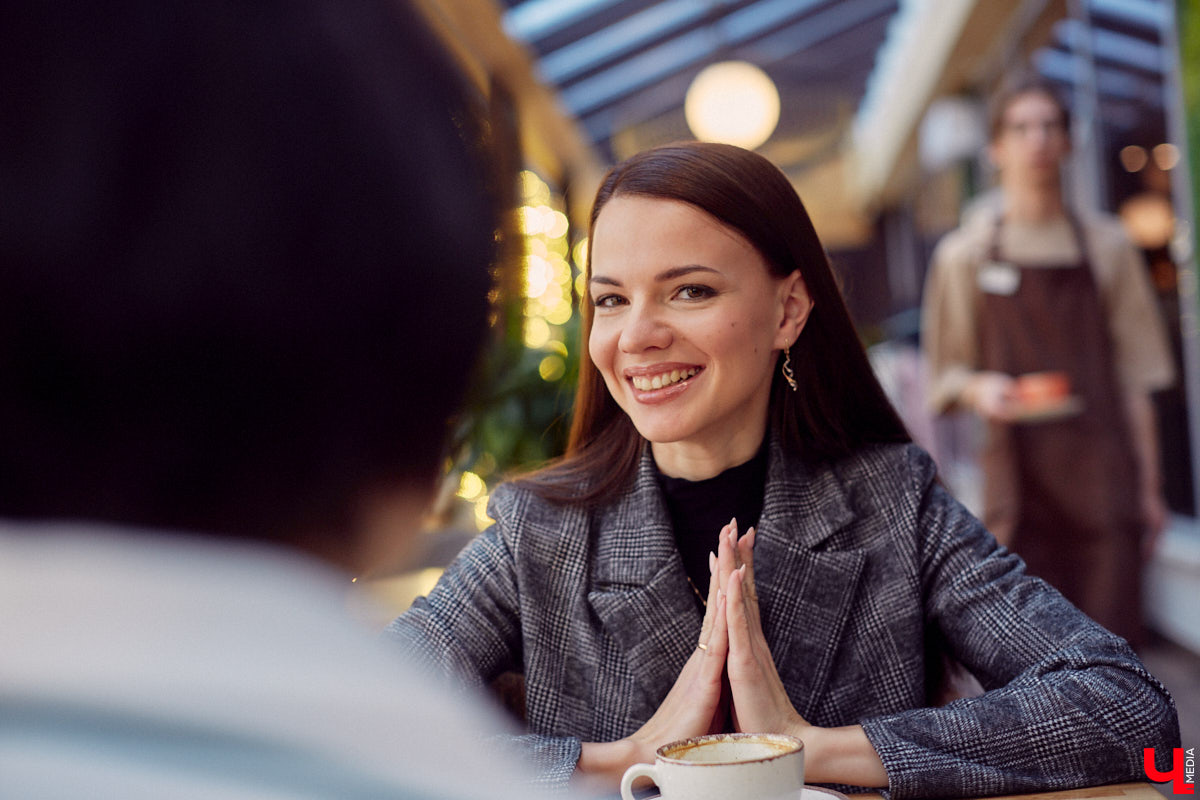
column 662, row 434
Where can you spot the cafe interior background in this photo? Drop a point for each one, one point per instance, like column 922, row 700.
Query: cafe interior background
column 875, row 111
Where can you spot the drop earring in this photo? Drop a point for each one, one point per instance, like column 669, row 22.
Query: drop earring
column 788, row 375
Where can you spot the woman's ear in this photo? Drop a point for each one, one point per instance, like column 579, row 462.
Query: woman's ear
column 797, row 305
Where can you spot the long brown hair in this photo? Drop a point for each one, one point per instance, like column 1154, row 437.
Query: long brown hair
column 840, row 406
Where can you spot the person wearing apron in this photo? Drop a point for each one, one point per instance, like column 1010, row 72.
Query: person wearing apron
column 1063, row 490
column 1024, row 286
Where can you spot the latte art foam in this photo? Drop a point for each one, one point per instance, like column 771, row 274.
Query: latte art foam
column 729, row 751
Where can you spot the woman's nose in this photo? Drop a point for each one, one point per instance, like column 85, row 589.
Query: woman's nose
column 644, row 329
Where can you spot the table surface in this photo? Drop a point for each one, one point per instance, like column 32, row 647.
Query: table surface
column 1120, row 791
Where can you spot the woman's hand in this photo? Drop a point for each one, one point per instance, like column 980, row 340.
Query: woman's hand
column 758, row 700
column 694, row 706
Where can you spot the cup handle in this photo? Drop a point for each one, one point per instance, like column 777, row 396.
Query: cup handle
column 632, row 774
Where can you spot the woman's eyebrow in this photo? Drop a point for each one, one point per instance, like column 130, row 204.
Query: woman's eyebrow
column 679, row 272
column 665, row 275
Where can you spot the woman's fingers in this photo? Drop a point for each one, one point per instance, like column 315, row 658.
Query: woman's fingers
column 727, row 554
column 714, row 664
column 734, row 534
column 759, row 700
column 740, row 660
column 737, row 623
column 745, row 549
column 695, row 702
column 710, row 604
column 718, row 642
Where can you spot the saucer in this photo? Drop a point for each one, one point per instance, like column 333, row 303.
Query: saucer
column 807, row 793
column 820, row 793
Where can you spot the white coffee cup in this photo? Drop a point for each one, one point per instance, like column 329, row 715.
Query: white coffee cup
column 748, row 766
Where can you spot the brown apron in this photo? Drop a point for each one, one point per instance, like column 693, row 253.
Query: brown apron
column 1064, row 490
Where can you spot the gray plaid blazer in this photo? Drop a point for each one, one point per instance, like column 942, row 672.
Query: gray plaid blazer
column 856, row 565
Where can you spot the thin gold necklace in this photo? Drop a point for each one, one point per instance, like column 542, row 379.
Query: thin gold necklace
column 699, row 596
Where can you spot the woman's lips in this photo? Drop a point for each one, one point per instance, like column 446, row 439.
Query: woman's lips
column 677, row 381
column 662, row 379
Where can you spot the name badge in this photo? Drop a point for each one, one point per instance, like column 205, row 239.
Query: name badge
column 997, row 278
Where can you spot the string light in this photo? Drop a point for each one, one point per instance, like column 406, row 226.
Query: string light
column 548, row 282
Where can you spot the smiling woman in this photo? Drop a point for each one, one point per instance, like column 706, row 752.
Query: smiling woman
column 723, row 229
column 687, row 327
column 726, row 379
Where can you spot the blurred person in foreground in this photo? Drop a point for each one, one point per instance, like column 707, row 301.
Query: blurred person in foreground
column 1030, row 285
column 725, row 380
column 244, row 254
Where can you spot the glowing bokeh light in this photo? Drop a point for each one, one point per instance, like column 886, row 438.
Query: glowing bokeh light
column 482, row 520
column 560, row 314
column 533, row 189
column 470, row 486
column 1166, row 155
column 547, row 279
column 537, row 332
column 558, row 225
column 1133, row 158
column 552, row 368
column 538, row 275
column 733, row 102
column 547, row 275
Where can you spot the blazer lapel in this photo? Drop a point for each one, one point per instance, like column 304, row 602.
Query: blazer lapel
column 640, row 593
column 806, row 590
column 639, row 587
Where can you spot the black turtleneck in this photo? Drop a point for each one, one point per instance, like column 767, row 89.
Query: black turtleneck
column 699, row 509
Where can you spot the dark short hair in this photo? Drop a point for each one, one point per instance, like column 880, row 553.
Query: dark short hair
column 1019, row 86
column 244, row 253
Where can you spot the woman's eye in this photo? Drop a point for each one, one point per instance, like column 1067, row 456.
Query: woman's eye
column 695, row 292
column 607, row 301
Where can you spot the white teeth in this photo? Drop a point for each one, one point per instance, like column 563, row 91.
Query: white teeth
column 645, row 384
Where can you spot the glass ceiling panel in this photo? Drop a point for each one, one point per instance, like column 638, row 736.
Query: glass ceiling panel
column 1067, row 68
column 650, row 66
column 1149, row 13
column 1112, row 46
column 535, row 19
column 631, row 74
column 762, row 16
column 638, row 71
column 622, row 37
column 822, row 26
